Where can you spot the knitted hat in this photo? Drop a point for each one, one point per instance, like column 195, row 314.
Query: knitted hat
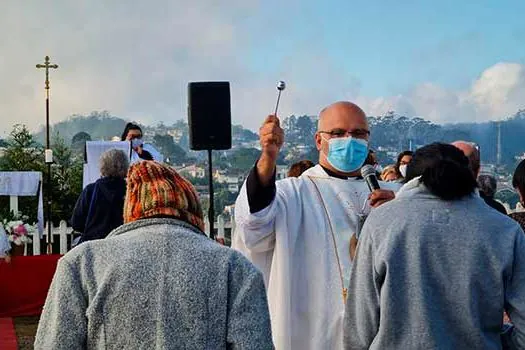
column 156, row 189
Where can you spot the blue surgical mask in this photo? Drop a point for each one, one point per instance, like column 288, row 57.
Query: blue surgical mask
column 136, row 142
column 347, row 154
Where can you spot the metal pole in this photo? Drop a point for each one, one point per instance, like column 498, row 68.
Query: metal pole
column 49, row 247
column 211, row 214
column 48, row 162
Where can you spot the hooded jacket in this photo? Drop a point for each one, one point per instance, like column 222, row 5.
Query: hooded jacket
column 99, row 208
column 155, row 284
column 435, row 274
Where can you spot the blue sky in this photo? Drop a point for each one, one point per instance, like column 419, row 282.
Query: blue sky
column 392, row 45
column 447, row 61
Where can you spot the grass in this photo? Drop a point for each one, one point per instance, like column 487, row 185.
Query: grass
column 25, row 328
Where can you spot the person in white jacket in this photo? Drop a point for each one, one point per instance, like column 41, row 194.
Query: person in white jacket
column 297, row 231
column 5, row 246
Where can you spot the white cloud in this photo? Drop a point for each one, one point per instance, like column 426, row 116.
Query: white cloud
column 497, row 93
column 135, row 59
column 500, row 90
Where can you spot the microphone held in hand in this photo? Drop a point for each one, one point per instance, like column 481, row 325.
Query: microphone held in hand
column 369, row 175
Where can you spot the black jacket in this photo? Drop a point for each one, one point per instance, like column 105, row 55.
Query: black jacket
column 493, row 203
column 99, row 208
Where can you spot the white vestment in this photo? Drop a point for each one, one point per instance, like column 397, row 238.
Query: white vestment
column 291, row 242
column 149, row 148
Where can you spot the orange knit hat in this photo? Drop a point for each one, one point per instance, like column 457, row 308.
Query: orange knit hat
column 156, row 189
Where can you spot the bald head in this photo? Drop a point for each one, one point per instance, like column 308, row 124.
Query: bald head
column 339, row 111
column 341, row 117
column 471, row 152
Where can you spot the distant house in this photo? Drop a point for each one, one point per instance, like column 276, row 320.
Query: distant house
column 192, row 171
column 176, row 134
column 392, row 154
column 2, row 151
column 222, row 176
column 233, row 187
column 488, row 169
column 233, row 181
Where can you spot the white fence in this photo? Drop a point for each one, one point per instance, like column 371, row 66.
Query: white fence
column 65, row 233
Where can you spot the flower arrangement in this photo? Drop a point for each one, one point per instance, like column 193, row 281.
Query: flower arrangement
column 18, row 232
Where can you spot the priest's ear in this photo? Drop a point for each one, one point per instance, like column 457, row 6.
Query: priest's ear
column 318, row 141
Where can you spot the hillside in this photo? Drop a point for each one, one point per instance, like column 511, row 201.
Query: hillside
column 391, row 133
column 99, row 125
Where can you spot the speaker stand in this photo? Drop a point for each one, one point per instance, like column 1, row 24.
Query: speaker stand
column 211, row 214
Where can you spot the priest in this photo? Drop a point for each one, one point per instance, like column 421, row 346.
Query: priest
column 297, row 231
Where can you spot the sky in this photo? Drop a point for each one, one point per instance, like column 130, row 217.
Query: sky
column 447, row 61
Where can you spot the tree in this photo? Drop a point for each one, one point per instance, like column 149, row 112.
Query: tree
column 306, row 129
column 22, row 154
column 66, row 180
column 99, row 125
column 78, row 143
column 241, row 134
column 171, row 151
column 290, row 128
column 244, row 158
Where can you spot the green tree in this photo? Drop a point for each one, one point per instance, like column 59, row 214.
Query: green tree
column 306, row 129
column 78, row 143
column 244, row 158
column 239, row 133
column 171, row 151
column 66, row 180
column 22, row 154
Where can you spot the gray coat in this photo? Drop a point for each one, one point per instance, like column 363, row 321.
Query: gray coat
column 155, row 284
column 434, row 274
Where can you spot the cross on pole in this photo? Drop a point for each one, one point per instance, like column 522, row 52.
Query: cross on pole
column 48, row 152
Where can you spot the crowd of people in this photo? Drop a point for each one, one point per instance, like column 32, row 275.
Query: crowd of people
column 318, row 260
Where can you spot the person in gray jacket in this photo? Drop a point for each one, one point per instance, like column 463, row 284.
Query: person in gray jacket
column 436, row 267
column 157, row 282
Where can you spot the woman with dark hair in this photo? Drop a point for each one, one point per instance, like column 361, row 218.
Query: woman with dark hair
column 436, row 267
column 403, row 159
column 141, row 151
column 518, row 182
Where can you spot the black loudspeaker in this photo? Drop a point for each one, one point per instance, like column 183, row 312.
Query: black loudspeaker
column 209, row 115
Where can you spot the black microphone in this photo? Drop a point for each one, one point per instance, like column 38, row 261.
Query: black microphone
column 369, row 175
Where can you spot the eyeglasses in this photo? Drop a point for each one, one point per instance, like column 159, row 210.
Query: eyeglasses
column 337, row 133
